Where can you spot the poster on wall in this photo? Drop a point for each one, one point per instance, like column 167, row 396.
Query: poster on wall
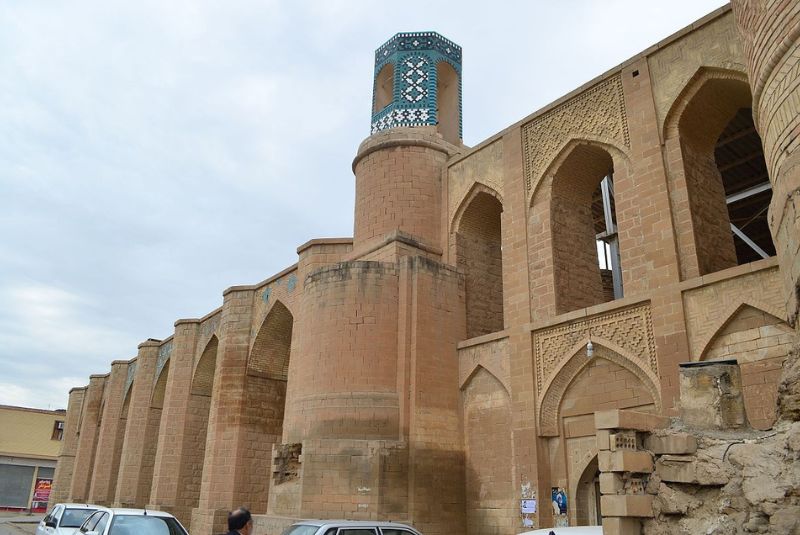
column 41, row 494
column 559, row 496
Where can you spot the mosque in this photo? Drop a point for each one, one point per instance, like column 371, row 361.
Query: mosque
column 443, row 366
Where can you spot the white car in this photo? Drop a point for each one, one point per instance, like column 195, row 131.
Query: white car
column 348, row 527
column 114, row 521
column 578, row 530
column 64, row 518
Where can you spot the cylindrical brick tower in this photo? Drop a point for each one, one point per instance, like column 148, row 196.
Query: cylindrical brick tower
column 416, row 126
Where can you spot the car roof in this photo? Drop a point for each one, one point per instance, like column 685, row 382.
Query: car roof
column 139, row 512
column 78, row 505
column 352, row 523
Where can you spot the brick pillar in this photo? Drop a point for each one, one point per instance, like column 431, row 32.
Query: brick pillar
column 66, row 457
column 133, row 478
column 771, row 38
column 170, row 469
column 648, row 247
column 109, row 442
column 228, row 474
column 625, row 467
column 431, row 322
column 531, row 465
column 87, row 439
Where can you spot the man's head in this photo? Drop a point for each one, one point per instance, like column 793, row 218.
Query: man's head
column 240, row 520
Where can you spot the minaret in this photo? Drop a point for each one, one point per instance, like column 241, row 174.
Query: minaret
column 418, row 83
column 416, row 127
column 372, row 421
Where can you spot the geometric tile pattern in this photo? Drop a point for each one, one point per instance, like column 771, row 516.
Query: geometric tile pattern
column 415, row 57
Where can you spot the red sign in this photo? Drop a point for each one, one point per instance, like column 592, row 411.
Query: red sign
column 41, row 494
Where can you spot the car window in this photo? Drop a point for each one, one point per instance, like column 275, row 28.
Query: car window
column 395, row 531
column 331, row 531
column 91, row 522
column 101, row 524
column 145, row 525
column 73, row 518
column 356, row 531
column 301, row 529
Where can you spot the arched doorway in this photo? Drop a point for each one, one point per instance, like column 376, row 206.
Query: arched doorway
column 587, row 496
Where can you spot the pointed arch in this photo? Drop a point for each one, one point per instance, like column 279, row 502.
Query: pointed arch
column 702, row 76
column 160, row 388
column 488, row 452
column 269, row 355
column 481, row 368
column 477, row 238
column 477, row 188
column 728, row 316
column 557, row 385
column 618, row 154
column 203, row 375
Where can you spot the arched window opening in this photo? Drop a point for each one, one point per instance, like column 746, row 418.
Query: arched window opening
column 447, row 102
column 193, row 458
column 586, row 253
column 265, row 387
column 726, row 177
column 479, row 255
column 384, row 88
column 740, row 159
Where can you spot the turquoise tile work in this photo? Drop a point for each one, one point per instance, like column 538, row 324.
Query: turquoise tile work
column 415, row 57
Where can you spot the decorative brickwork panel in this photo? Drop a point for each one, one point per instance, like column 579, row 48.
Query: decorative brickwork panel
column 631, row 329
column 582, row 386
column 597, row 113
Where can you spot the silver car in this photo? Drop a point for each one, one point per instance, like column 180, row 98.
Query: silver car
column 348, row 527
column 65, row 518
column 115, row 521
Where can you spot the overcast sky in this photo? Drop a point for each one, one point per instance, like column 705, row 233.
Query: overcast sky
column 154, row 153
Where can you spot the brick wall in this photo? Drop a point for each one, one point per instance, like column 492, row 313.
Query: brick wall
column 87, row 439
column 487, row 436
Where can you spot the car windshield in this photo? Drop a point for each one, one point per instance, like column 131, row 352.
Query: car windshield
column 73, row 518
column 301, row 530
column 145, row 525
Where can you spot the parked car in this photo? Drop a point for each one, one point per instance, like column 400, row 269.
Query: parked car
column 114, row 521
column 578, row 530
column 64, row 518
column 348, row 527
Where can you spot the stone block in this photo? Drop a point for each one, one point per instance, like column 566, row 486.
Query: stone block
column 611, row 483
column 689, row 469
column 625, row 419
column 603, row 436
column 625, row 461
column 621, row 526
column 672, row 444
column 711, row 395
column 640, row 506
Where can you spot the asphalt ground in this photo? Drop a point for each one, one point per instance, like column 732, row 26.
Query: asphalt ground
column 19, row 524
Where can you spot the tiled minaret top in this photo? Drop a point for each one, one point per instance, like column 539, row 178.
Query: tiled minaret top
column 417, row 83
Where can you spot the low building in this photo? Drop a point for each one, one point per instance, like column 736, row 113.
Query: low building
column 30, row 440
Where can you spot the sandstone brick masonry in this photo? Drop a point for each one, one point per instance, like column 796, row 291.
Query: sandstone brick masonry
column 434, row 369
